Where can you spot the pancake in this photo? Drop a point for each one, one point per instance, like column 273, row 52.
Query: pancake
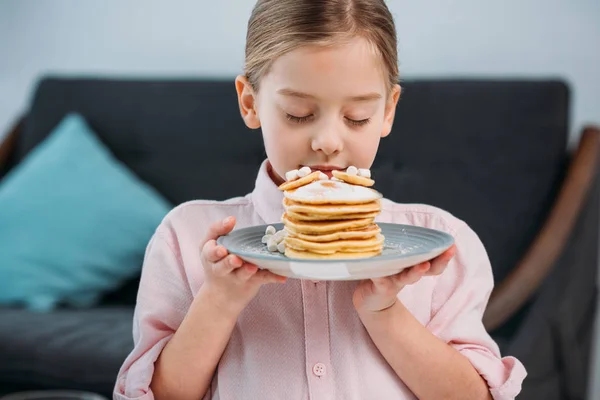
column 372, row 249
column 289, row 252
column 291, row 185
column 372, row 244
column 331, row 209
column 360, row 233
column 353, row 179
column 331, row 219
column 323, row 217
column 333, row 193
column 323, row 227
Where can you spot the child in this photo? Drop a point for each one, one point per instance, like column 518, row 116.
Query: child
column 321, row 82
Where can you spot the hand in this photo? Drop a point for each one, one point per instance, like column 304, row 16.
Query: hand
column 228, row 280
column 381, row 293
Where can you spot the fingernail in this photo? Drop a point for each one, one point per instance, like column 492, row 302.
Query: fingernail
column 221, row 252
column 236, row 262
column 251, row 268
column 227, row 221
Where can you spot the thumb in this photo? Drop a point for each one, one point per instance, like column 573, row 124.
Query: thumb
column 219, row 228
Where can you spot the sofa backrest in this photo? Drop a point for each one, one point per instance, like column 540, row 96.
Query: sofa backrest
column 491, row 152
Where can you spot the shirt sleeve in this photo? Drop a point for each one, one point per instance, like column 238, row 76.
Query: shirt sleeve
column 164, row 296
column 459, row 301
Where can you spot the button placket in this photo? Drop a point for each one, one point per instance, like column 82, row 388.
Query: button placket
column 316, row 329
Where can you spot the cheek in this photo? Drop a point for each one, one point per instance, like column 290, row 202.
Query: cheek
column 284, row 148
column 363, row 146
column 277, row 136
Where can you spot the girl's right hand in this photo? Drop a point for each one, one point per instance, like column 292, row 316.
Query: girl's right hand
column 229, row 281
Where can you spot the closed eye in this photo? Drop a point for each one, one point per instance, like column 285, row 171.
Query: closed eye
column 298, row 120
column 306, row 118
column 359, row 122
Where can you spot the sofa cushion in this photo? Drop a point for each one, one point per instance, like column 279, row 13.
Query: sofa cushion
column 74, row 222
column 66, row 349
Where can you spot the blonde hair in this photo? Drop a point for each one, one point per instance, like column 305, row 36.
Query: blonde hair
column 279, row 26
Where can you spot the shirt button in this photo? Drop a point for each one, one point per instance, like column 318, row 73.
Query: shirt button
column 319, row 369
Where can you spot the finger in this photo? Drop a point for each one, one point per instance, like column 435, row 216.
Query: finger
column 413, row 274
column 213, row 252
column 265, row 276
column 437, row 267
column 219, row 228
column 246, row 271
column 227, row 265
column 438, row 264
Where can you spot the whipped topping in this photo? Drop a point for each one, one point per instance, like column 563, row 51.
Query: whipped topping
column 333, row 191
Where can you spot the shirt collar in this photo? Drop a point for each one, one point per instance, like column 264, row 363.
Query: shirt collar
column 266, row 197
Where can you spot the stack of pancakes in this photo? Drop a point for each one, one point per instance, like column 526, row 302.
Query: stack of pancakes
column 332, row 220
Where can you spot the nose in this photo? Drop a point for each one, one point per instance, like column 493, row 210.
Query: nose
column 329, row 141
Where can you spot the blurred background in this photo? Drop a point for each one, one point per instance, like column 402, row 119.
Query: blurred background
column 437, row 38
column 466, row 45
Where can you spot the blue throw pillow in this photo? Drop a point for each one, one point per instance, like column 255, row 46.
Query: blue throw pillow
column 74, row 221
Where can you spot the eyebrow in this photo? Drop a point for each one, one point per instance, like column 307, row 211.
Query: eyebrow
column 294, row 93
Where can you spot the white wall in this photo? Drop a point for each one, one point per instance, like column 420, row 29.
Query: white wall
column 534, row 38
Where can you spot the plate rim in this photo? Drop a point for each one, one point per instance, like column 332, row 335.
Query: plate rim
column 449, row 241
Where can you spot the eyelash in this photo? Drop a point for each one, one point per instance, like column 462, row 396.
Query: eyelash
column 301, row 120
column 298, row 120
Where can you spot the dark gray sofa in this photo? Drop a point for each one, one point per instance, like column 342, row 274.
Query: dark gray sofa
column 493, row 152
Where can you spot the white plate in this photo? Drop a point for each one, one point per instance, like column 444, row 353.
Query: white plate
column 405, row 246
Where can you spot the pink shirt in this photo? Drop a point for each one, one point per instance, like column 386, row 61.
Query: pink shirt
column 301, row 339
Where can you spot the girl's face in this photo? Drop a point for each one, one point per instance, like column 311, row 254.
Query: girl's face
column 322, row 107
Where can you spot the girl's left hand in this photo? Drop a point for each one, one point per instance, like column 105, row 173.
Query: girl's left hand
column 380, row 293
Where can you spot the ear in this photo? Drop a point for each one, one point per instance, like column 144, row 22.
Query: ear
column 390, row 110
column 247, row 102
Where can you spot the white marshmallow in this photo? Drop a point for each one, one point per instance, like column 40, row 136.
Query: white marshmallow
column 272, row 245
column 291, row 175
column 278, row 237
column 270, row 230
column 302, row 172
column 266, row 238
column 366, row 173
column 352, row 170
column 281, row 247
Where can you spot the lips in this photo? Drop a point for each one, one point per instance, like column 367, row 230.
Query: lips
column 326, row 169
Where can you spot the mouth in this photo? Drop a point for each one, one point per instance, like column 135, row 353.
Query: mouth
column 326, row 169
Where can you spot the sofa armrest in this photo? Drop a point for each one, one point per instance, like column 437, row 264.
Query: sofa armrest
column 527, row 276
column 8, row 144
